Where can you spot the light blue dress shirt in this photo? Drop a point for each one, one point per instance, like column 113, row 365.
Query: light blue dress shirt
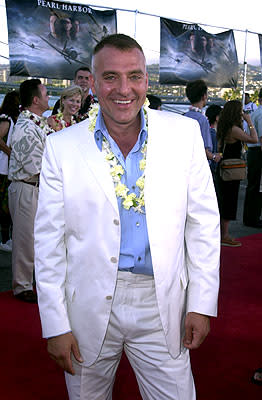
column 135, row 253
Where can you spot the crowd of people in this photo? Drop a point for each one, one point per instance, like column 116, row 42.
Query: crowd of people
column 23, row 132
column 123, row 258
column 224, row 132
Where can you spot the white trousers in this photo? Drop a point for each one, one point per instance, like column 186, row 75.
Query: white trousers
column 134, row 327
column 22, row 199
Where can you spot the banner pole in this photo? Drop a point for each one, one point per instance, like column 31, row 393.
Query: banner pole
column 245, row 71
column 136, row 12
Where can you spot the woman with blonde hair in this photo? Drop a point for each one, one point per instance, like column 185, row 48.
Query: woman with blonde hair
column 70, row 103
column 230, row 135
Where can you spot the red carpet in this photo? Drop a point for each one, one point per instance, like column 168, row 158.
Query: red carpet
column 222, row 366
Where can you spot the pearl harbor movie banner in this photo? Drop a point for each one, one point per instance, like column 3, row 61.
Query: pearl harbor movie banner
column 52, row 39
column 188, row 52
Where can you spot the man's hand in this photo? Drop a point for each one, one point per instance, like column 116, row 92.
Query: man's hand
column 217, row 157
column 60, row 348
column 197, row 327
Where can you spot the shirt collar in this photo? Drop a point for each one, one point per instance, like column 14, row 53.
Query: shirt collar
column 101, row 130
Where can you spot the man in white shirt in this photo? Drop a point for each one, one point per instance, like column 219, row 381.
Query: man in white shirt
column 27, row 143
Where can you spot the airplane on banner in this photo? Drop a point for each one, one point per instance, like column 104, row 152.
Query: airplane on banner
column 69, row 53
column 30, row 45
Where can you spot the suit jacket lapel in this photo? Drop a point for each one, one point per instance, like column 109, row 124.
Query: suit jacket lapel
column 96, row 162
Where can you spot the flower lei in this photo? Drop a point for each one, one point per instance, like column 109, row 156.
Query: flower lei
column 58, row 118
column 39, row 121
column 5, row 117
column 197, row 109
column 116, row 170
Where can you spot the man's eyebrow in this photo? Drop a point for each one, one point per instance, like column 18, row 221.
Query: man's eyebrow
column 109, row 73
column 136, row 71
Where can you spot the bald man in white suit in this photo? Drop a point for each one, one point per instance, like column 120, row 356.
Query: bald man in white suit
column 116, row 274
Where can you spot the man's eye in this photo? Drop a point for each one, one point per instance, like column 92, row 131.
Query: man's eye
column 135, row 77
column 109, row 77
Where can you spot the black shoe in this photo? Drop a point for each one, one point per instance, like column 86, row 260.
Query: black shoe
column 28, row 296
column 255, row 225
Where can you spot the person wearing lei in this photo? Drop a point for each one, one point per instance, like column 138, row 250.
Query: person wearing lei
column 132, row 261
column 70, row 103
column 27, row 147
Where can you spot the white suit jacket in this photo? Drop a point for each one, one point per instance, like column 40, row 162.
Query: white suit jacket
column 77, row 231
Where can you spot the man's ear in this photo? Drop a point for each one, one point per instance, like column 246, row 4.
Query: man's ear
column 92, row 83
column 35, row 100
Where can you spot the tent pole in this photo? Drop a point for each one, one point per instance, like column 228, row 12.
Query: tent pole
column 245, row 71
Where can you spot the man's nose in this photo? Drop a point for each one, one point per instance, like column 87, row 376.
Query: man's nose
column 124, row 86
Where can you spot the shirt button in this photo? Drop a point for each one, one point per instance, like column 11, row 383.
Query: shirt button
column 116, row 222
column 113, row 259
column 133, row 187
column 137, row 224
column 109, row 297
column 139, row 258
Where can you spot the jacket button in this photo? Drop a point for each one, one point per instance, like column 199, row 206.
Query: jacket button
column 113, row 259
column 109, row 297
column 116, row 222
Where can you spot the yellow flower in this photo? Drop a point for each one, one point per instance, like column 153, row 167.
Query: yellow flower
column 92, row 125
column 121, row 190
column 146, row 103
column 117, row 170
column 142, row 164
column 140, row 182
column 93, row 111
column 110, row 156
column 129, row 201
column 142, row 201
